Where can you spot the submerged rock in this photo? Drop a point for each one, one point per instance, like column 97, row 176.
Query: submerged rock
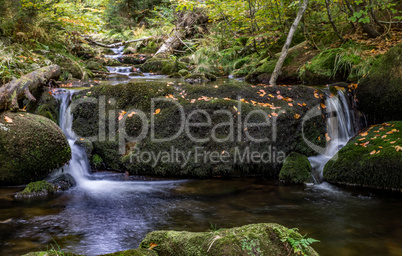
column 30, row 147
column 379, row 93
column 254, row 239
column 296, row 169
column 373, row 158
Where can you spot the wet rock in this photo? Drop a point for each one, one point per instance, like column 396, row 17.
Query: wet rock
column 254, row 239
column 36, row 189
column 136, row 74
column 162, row 66
column 379, row 93
column 283, row 105
column 45, row 105
column 30, row 147
column 296, row 169
column 373, row 158
column 196, row 78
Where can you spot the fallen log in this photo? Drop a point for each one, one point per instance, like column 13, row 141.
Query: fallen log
column 186, row 28
column 19, row 88
column 117, row 44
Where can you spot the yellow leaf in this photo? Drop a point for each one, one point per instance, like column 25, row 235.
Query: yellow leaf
column 372, row 152
column 398, row 148
column 363, row 134
column 8, row 120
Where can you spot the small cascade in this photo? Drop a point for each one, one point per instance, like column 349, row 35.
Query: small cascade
column 78, row 166
column 340, row 127
column 118, row 53
column 121, row 70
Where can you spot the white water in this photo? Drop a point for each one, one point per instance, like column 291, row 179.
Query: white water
column 79, row 166
column 340, row 128
column 118, row 53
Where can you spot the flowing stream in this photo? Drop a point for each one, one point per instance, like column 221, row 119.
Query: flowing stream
column 340, row 128
column 108, row 212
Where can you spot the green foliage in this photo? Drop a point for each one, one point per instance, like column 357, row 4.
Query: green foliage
column 96, row 161
column 347, row 62
column 300, row 245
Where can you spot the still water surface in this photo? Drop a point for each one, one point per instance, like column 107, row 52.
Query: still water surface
column 110, row 216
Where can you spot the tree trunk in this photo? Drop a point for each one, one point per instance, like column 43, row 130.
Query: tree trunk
column 185, row 29
column 332, row 21
column 286, row 46
column 17, row 89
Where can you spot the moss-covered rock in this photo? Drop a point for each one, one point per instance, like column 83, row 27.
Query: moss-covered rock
column 290, row 69
column 196, row 78
column 30, row 147
column 379, row 93
column 37, row 188
column 254, row 239
column 162, row 66
column 183, row 72
column 268, row 101
column 175, row 75
column 45, row 105
column 296, row 169
column 371, row 159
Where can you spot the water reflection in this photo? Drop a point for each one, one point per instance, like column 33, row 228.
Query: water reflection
column 348, row 222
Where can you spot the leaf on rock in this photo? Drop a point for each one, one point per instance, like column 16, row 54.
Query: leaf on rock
column 8, row 120
column 157, row 111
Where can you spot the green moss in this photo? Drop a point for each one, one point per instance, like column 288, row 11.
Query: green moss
column 372, row 159
column 223, row 97
column 346, row 63
column 379, row 93
column 183, row 72
column 30, row 147
column 296, row 169
column 45, row 105
column 37, row 188
column 254, row 239
column 96, row 161
column 162, row 66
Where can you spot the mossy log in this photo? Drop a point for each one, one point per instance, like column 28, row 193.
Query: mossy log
column 20, row 88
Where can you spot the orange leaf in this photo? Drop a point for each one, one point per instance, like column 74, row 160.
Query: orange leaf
column 392, row 142
column 152, row 245
column 323, row 105
column 327, row 137
column 290, row 104
column 157, row 111
column 274, row 114
column 372, row 152
column 8, row 120
column 279, row 97
column 363, row 134
column 296, row 116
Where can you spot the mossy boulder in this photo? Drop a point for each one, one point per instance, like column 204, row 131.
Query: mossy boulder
column 175, row 75
column 37, row 188
column 281, row 106
column 196, row 78
column 254, row 239
column 296, row 169
column 30, row 147
column 162, row 66
column 45, row 105
column 290, row 70
column 183, row 72
column 379, row 93
column 373, row 158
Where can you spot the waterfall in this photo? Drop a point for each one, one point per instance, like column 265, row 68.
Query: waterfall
column 78, row 166
column 340, row 128
column 102, row 184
